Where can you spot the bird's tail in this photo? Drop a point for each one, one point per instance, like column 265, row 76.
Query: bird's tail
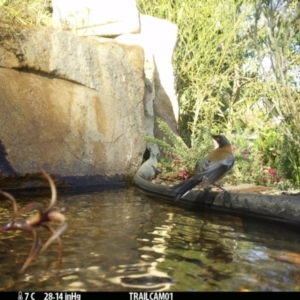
column 182, row 188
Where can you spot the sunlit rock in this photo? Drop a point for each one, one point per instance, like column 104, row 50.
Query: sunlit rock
column 158, row 38
column 96, row 17
column 71, row 104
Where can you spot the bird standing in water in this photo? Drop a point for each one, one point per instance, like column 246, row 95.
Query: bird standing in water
column 213, row 167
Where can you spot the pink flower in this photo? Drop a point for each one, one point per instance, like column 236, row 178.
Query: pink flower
column 245, row 153
column 272, row 172
column 184, row 174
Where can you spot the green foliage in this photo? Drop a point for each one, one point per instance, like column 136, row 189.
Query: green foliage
column 208, row 60
column 255, row 162
column 221, row 84
column 277, row 37
column 253, row 167
column 26, row 12
column 270, row 143
column 176, row 156
column 280, row 153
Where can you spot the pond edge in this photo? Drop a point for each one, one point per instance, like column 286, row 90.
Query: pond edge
column 280, row 208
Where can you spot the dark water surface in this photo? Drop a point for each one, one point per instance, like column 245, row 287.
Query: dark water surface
column 123, row 240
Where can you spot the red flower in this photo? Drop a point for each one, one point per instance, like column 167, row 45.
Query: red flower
column 183, row 174
column 272, row 172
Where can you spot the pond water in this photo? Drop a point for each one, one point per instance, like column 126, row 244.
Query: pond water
column 123, row 240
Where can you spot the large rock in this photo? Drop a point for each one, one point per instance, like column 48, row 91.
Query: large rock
column 158, row 38
column 71, row 104
column 96, row 17
column 161, row 39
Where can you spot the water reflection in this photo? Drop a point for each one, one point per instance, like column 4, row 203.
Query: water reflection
column 122, row 240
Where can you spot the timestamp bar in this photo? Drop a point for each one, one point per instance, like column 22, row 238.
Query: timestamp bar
column 49, row 296
column 87, row 295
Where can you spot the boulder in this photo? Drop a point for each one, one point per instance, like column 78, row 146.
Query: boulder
column 96, row 17
column 158, row 38
column 71, row 104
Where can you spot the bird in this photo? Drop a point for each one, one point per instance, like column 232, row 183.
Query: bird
column 212, row 168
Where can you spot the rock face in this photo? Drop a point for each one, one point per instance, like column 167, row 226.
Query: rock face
column 96, row 17
column 121, row 20
column 161, row 37
column 158, row 38
column 79, row 102
column 71, row 104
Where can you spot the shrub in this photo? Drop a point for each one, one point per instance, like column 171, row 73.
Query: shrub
column 176, row 156
column 26, row 12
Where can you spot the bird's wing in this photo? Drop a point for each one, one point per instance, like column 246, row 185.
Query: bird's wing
column 196, row 178
column 207, row 173
column 184, row 187
column 202, row 169
column 216, row 170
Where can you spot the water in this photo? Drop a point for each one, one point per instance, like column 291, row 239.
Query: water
column 123, row 240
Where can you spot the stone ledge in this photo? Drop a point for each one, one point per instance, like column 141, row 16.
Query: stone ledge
column 280, row 208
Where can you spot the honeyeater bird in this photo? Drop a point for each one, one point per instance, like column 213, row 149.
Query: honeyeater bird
column 212, row 168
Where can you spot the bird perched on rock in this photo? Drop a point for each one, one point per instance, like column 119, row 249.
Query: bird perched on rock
column 213, row 167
